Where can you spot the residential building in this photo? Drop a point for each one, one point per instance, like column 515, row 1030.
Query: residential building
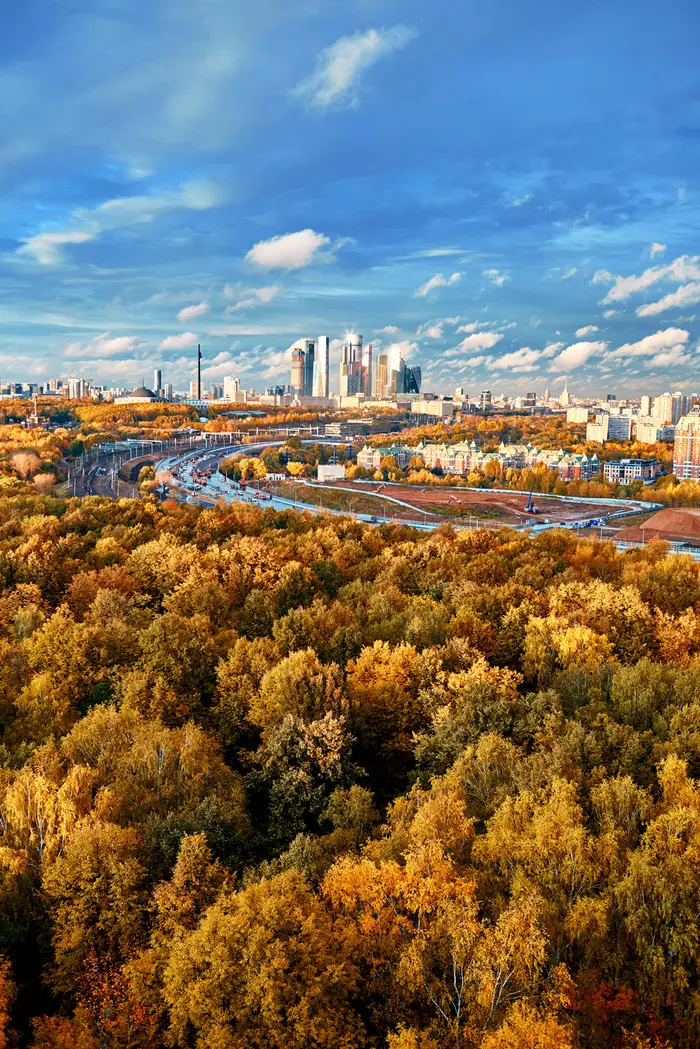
column 371, row 458
column 651, row 431
column 622, row 471
column 437, row 409
column 645, row 405
column 577, row 415
column 609, row 428
column 686, row 447
column 485, row 399
column 231, row 387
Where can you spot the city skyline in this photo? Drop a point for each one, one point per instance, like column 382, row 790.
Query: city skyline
column 145, row 211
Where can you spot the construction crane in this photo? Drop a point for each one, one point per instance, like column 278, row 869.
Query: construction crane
column 530, row 507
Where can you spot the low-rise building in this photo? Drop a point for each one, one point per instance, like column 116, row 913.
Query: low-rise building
column 331, row 472
column 371, row 458
column 622, row 471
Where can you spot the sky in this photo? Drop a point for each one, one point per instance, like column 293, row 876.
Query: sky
column 509, row 191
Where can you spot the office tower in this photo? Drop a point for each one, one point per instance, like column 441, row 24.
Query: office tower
column 322, row 367
column 381, row 387
column 366, row 375
column 351, row 365
column 485, row 399
column 298, row 369
column 413, row 378
column 645, row 406
column 167, row 391
column 610, row 397
column 530, row 399
column 686, row 447
column 309, row 361
column 157, row 380
column 231, row 387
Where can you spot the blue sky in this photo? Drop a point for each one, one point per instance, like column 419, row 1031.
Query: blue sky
column 509, row 190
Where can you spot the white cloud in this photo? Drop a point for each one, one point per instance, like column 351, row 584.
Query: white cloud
column 669, row 339
column 588, row 329
column 609, row 313
column 46, row 247
column 602, row 277
column 340, row 67
column 190, row 313
column 388, row 329
column 686, row 295
column 673, row 358
column 568, row 273
column 88, row 223
column 482, row 340
column 684, row 268
column 289, row 251
column 102, row 346
column 475, row 362
column 576, row 355
column 496, row 277
column 406, row 348
column 430, row 330
column 517, row 202
column 179, row 342
column 254, row 297
column 552, row 348
column 438, row 281
column 656, row 249
column 522, row 360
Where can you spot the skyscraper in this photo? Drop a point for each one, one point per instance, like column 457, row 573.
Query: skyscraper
column 351, row 365
column 298, row 371
column 322, row 367
column 309, row 356
column 381, row 388
column 157, row 380
column 366, row 378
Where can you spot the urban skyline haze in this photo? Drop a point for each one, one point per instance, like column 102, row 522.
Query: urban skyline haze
column 450, row 181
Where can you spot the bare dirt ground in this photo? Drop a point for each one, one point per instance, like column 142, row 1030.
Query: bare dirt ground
column 672, row 524
column 506, row 508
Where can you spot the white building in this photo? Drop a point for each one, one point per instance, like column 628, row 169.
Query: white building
column 577, row 415
column 321, row 379
column 609, row 428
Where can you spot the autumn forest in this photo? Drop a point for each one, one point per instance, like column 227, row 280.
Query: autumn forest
column 272, row 780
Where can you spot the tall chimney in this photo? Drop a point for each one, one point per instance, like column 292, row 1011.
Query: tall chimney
column 199, row 372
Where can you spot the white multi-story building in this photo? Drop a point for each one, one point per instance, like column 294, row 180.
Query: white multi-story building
column 623, row 471
column 577, row 415
column 609, row 428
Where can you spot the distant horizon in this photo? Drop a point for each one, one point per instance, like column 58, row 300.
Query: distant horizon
column 309, row 174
